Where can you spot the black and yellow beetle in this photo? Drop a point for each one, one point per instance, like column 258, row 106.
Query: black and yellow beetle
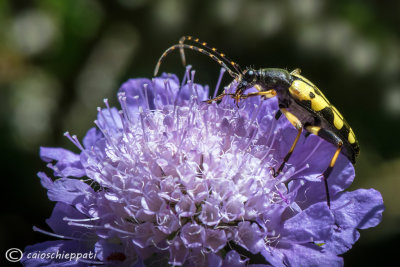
column 299, row 100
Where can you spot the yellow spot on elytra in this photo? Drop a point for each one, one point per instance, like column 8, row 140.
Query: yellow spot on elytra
column 337, row 112
column 338, row 122
column 189, row 37
column 319, row 104
column 301, row 91
column 233, row 63
column 197, row 39
column 222, row 54
column 352, row 137
column 204, row 43
column 200, row 50
column 337, row 118
column 214, row 49
column 316, row 90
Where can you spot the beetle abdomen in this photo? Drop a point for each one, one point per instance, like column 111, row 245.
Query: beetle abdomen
column 309, row 97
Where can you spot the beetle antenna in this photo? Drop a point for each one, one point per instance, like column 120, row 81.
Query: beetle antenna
column 233, row 74
column 212, row 50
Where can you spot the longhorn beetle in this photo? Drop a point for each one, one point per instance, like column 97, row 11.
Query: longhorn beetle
column 302, row 103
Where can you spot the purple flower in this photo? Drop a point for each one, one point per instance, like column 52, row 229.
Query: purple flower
column 169, row 179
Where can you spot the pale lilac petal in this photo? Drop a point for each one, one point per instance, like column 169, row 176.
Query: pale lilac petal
column 69, row 191
column 215, row 239
column 178, row 252
column 360, row 209
column 251, row 237
column 232, row 259
column 193, row 235
column 185, row 207
column 354, row 210
column 60, row 218
column 309, row 255
column 68, row 163
column 210, row 214
column 313, row 224
column 91, row 138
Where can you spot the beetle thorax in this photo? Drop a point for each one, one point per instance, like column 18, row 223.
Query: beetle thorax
column 277, row 79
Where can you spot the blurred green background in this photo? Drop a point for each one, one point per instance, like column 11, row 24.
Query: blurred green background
column 60, row 59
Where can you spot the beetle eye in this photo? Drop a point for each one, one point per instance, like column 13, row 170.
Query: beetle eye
column 248, row 76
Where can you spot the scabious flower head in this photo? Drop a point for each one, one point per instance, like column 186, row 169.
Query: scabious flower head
column 171, row 180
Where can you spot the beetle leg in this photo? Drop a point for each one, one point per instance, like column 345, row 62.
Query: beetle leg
column 332, row 137
column 265, row 94
column 278, row 114
column 217, row 98
column 296, row 123
column 296, row 71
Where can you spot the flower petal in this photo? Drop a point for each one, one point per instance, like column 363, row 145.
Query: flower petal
column 359, row 209
column 313, row 224
column 69, row 191
column 68, row 163
column 61, row 216
column 303, row 255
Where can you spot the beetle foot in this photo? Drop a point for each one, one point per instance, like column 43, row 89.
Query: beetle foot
column 273, row 172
